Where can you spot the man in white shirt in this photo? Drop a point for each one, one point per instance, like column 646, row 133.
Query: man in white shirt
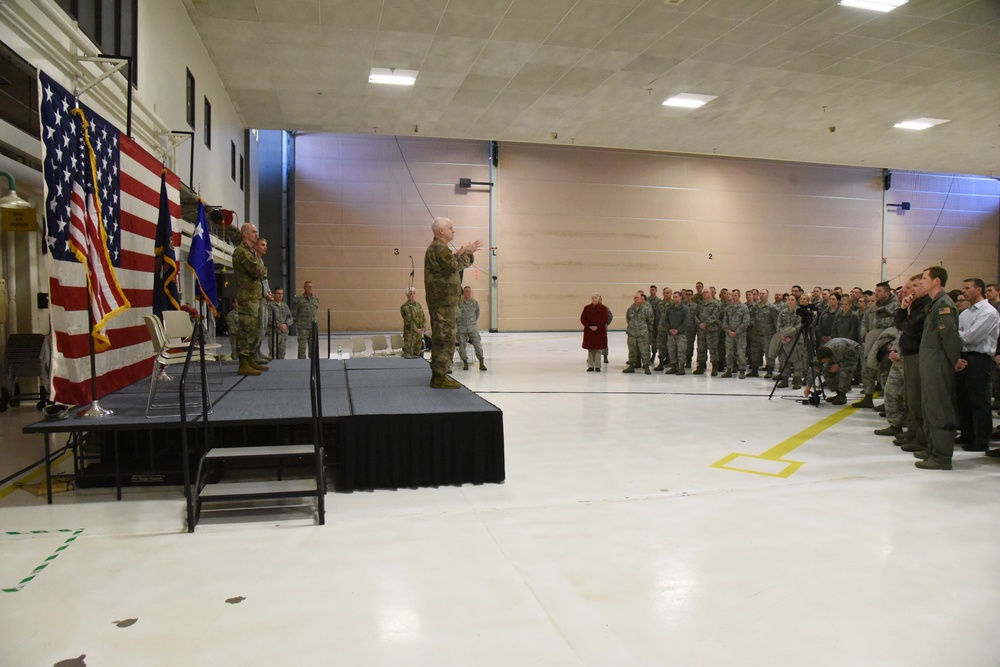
column 978, row 326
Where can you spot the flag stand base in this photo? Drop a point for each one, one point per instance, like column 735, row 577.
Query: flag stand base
column 95, row 410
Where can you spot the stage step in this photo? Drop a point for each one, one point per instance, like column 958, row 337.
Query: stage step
column 222, row 453
column 253, row 491
column 278, row 488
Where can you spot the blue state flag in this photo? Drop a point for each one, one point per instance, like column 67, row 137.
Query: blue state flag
column 165, row 294
column 200, row 261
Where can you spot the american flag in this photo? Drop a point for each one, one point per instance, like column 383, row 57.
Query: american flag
column 128, row 184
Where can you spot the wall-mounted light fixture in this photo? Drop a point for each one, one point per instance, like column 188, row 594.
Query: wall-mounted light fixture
column 468, row 183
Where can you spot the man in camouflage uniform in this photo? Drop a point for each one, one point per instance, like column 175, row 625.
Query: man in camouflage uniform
column 414, row 324
column 895, row 385
column 725, row 304
column 443, row 284
column 660, row 344
column 737, row 319
column 264, row 331
column 304, row 309
column 468, row 329
column 656, row 304
column 707, row 317
column 692, row 301
column 839, row 356
column 676, row 324
column 638, row 318
column 233, row 325
column 789, row 362
column 764, row 320
column 249, row 271
column 940, row 351
column 281, row 315
column 878, row 317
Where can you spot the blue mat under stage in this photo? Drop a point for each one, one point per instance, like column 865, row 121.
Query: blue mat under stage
column 384, row 427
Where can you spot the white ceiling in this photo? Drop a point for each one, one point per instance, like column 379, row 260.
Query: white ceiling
column 594, row 73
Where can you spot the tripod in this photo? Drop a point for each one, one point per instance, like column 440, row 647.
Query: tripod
column 816, row 395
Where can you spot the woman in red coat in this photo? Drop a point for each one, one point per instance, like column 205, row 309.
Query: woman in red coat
column 595, row 331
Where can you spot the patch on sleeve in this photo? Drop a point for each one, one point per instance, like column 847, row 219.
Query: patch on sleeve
column 945, row 310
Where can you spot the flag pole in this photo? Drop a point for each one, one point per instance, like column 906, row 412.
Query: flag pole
column 95, row 409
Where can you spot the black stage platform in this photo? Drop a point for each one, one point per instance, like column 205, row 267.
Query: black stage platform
column 385, row 427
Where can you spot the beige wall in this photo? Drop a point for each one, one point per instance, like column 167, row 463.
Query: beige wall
column 359, row 217
column 953, row 222
column 571, row 221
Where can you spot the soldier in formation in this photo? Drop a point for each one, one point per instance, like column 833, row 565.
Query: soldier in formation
column 414, row 325
column 467, row 323
column 304, row 310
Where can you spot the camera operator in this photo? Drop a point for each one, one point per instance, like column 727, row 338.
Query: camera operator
column 837, row 358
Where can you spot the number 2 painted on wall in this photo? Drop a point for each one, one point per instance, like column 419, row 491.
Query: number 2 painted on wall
column 710, row 255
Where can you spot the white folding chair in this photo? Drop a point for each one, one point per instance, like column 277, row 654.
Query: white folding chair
column 165, row 356
column 358, row 347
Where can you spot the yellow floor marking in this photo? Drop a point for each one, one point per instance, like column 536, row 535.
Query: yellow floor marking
column 764, row 463
column 32, row 476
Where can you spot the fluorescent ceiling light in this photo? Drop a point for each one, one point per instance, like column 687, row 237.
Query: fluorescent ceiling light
column 393, row 76
column 920, row 123
column 874, row 5
column 688, row 100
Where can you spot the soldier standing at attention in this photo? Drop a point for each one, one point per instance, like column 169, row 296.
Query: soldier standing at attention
column 656, row 303
column 233, row 325
column 737, row 319
column 414, row 324
column 282, row 315
column 249, row 272
column 265, row 311
column 304, row 309
column 706, row 317
column 940, row 352
column 468, row 329
column 443, row 284
column 676, row 324
column 637, row 320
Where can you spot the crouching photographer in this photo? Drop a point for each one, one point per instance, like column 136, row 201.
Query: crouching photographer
column 838, row 357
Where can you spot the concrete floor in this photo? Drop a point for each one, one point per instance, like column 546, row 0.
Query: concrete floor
column 626, row 533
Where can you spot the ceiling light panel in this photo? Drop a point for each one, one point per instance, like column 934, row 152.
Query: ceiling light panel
column 920, row 123
column 392, row 76
column 688, row 100
column 874, row 5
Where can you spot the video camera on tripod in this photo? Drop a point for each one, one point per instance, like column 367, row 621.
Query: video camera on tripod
column 807, row 314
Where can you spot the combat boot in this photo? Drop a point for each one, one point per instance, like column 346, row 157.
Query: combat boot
column 742, row 374
column 783, row 383
column 465, row 365
column 865, row 402
column 714, row 371
column 256, row 365
column 482, row 365
column 914, row 447
column 797, row 384
column 727, row 374
column 889, row 430
column 698, row 371
column 679, row 371
column 646, row 370
column 768, row 375
column 659, row 367
column 932, row 464
column 753, row 374
column 629, row 369
column 839, row 399
column 443, row 382
column 245, row 368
